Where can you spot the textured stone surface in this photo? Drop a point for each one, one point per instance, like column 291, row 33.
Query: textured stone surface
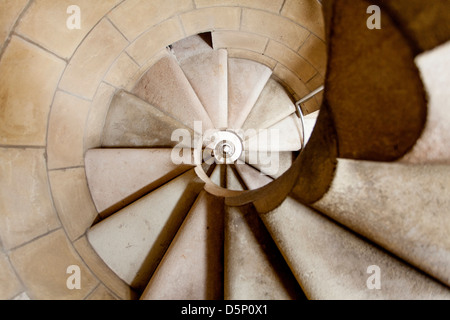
column 403, row 208
column 207, row 19
column 192, row 267
column 9, row 12
column 307, row 14
column 254, row 268
column 331, row 263
column 29, row 79
column 72, row 201
column 26, row 209
column 208, row 75
column 166, row 87
column 268, row 5
column 92, row 60
column 132, row 122
column 273, row 105
column 246, row 81
column 117, row 177
column 11, row 285
column 45, row 23
column 48, row 281
column 133, row 241
column 433, row 144
column 239, row 40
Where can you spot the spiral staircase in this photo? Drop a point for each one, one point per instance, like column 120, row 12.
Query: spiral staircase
column 211, row 179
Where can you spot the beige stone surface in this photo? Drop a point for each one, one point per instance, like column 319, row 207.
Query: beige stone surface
column 132, row 122
column 307, row 14
column 251, row 55
column 45, row 23
column 26, row 209
column 133, row 17
column 10, row 11
column 309, row 122
column 275, row 27
column 133, row 241
column 107, row 277
column 252, row 178
column 92, row 60
column 285, row 135
column 433, row 145
column 239, row 40
column 192, row 267
column 272, row 164
column 117, row 177
column 209, row 19
column 402, row 208
column 11, row 285
column 155, row 39
column 246, row 81
column 66, row 131
column 290, row 59
column 101, row 293
column 166, row 87
column 208, row 75
column 268, row 5
column 42, row 266
column 273, row 105
column 191, row 46
column 331, row 263
column 97, row 116
column 314, row 50
column 72, row 201
column 290, row 79
column 254, row 268
column 121, row 71
column 29, row 79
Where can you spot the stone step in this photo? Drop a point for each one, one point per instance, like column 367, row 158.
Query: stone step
column 132, row 122
column 133, row 241
column 285, row 135
column 309, row 122
column 403, row 208
column 117, row 177
column 208, row 74
column 246, row 81
column 331, row 262
column 192, row 267
column 273, row 164
column 252, row 178
column 254, row 268
column 192, row 46
column 166, row 87
column 433, row 145
column 273, row 105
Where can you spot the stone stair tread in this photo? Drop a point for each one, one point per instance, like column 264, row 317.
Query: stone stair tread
column 272, row 106
column 191, row 46
column 254, row 268
column 288, row 132
column 273, row 164
column 193, row 265
column 252, row 178
column 132, row 122
column 309, row 122
column 133, row 240
column 117, row 177
column 208, row 75
column 405, row 209
column 246, row 81
column 166, row 87
column 331, row 262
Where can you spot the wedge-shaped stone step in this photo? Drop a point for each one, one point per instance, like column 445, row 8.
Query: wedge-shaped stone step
column 254, row 268
column 246, row 81
column 403, row 208
column 208, row 74
column 192, row 268
column 273, row 164
column 192, row 46
column 285, row 135
column 272, row 106
column 309, row 122
column 117, row 177
column 166, row 87
column 132, row 122
column 331, row 262
column 133, row 241
column 252, row 178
